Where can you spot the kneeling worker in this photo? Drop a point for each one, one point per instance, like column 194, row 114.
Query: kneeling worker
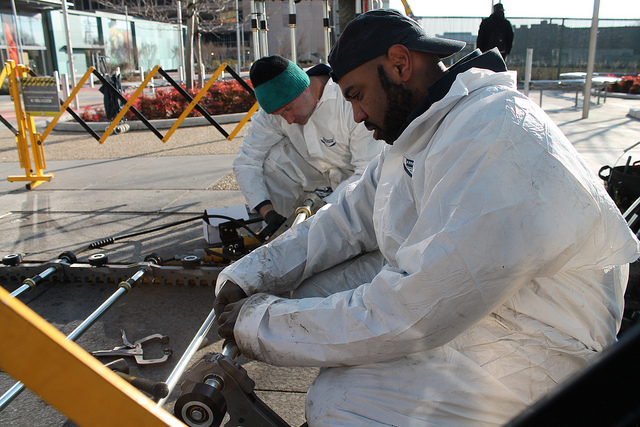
column 476, row 264
column 302, row 138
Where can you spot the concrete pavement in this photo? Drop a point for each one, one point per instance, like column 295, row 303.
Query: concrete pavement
column 89, row 199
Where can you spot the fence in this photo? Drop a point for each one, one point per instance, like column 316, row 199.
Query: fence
column 559, row 45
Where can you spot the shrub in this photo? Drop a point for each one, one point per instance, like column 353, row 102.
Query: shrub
column 628, row 84
column 224, row 97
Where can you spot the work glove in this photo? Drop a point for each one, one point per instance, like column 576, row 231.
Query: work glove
column 274, row 220
column 227, row 319
column 229, row 293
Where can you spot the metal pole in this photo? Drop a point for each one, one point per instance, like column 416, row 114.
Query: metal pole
column 263, row 29
column 244, row 59
column 17, row 388
column 16, row 26
column 181, row 42
column 527, row 71
column 591, row 59
column 194, row 346
column 254, row 31
column 72, row 68
column 292, row 30
column 69, row 46
column 130, row 39
column 239, row 64
column 327, row 30
column 303, row 212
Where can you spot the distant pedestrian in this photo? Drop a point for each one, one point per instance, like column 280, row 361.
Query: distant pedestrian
column 496, row 31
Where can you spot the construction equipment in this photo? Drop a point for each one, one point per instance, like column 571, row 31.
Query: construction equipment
column 155, row 389
column 217, row 385
column 191, row 270
column 123, row 288
column 65, row 258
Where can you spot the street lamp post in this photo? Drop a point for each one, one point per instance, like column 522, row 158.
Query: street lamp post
column 72, row 69
column 181, row 47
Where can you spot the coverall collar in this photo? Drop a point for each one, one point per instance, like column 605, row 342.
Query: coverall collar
column 490, row 60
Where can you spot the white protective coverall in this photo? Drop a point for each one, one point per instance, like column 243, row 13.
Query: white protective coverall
column 278, row 161
column 505, row 269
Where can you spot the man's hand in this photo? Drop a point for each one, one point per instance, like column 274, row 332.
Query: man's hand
column 227, row 319
column 229, row 293
column 274, row 219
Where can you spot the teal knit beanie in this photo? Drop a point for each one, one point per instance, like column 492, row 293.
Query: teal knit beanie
column 276, row 82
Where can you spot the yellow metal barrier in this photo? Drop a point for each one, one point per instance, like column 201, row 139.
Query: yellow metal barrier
column 244, row 120
column 129, row 104
column 66, row 103
column 66, row 376
column 26, row 126
column 198, row 97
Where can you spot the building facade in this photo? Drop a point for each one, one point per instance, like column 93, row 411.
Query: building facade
column 37, row 37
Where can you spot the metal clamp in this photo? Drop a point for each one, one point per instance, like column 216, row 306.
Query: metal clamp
column 136, row 350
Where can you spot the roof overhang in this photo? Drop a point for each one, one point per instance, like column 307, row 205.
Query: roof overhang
column 25, row 7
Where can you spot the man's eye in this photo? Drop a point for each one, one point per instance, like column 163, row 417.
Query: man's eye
column 355, row 96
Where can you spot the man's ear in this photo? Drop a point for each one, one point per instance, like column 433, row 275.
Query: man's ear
column 399, row 58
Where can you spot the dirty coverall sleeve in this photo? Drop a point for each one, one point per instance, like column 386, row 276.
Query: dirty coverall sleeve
column 280, row 266
column 263, row 134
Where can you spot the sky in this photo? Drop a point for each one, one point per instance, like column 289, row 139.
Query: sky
column 625, row 9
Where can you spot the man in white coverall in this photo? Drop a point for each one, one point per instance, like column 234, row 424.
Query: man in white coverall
column 504, row 261
column 302, row 138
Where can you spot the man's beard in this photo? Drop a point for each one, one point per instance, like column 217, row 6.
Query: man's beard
column 399, row 106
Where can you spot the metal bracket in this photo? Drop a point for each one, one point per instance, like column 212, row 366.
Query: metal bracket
column 215, row 384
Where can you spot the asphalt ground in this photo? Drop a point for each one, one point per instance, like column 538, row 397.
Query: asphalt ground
column 135, row 182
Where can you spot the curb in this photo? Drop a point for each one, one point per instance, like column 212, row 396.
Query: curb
column 73, row 126
column 635, row 113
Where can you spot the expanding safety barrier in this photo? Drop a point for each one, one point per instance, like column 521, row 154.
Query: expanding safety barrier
column 44, row 100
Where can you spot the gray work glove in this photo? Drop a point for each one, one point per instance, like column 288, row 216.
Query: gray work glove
column 229, row 293
column 227, row 319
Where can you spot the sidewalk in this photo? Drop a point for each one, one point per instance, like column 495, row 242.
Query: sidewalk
column 135, row 182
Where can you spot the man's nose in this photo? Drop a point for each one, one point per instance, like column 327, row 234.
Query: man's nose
column 288, row 117
column 358, row 114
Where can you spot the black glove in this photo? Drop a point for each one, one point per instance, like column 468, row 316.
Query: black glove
column 228, row 318
column 274, row 220
column 229, row 293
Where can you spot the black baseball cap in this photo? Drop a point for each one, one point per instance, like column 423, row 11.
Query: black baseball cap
column 371, row 34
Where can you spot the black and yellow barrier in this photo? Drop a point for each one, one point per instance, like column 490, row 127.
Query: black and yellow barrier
column 34, row 175
column 18, row 74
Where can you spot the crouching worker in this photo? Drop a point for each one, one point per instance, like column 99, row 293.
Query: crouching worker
column 476, row 265
column 302, row 138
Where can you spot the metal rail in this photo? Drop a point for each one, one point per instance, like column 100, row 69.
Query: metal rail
column 204, row 275
column 184, row 361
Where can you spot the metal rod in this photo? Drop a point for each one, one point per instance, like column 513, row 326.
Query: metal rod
column 303, row 212
column 194, row 346
column 32, row 282
column 231, row 349
column 17, row 388
column 20, row 290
